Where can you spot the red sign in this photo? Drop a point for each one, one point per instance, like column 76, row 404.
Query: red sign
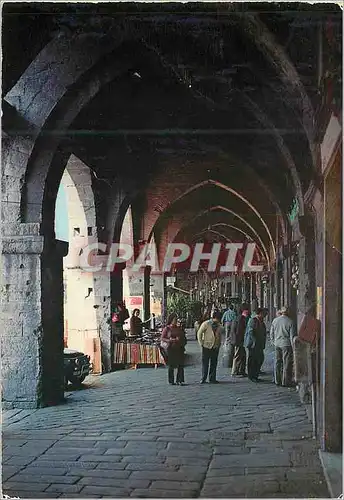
column 134, row 301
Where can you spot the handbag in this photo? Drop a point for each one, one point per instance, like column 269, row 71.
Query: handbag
column 164, row 344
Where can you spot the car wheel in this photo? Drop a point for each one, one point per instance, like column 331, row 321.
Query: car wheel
column 76, row 380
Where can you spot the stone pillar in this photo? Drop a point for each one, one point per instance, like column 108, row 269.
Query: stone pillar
column 135, row 285
column 32, row 318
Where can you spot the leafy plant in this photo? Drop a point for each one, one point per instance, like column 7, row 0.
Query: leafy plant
column 184, row 307
column 178, row 304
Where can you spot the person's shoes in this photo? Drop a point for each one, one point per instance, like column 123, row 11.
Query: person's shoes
column 253, row 379
column 214, row 382
column 203, row 382
column 262, row 373
column 243, row 375
column 181, row 383
column 172, row 383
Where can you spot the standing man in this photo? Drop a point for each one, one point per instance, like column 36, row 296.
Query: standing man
column 265, row 313
column 239, row 361
column 209, row 338
column 228, row 322
column 254, row 341
column 282, row 333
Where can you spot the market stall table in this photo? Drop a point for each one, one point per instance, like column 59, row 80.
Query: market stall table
column 132, row 353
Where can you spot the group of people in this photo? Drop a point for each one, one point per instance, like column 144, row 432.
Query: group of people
column 245, row 341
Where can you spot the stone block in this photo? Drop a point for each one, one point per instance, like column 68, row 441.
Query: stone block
column 100, row 458
column 230, row 450
column 248, row 460
column 111, row 491
column 225, row 472
column 98, row 472
column 155, row 493
column 153, row 475
column 185, row 453
column 115, row 482
column 44, row 462
column 34, row 494
column 51, row 478
column 64, row 488
column 12, row 486
column 137, row 437
column 175, row 485
column 44, row 471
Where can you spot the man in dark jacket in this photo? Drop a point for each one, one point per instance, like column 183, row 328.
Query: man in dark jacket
column 255, row 337
column 239, row 361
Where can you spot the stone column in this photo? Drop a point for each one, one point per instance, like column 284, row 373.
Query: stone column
column 32, row 318
column 135, row 285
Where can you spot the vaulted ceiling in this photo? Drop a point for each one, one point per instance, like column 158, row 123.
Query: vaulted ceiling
column 231, row 85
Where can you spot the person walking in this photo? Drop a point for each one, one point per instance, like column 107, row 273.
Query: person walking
column 173, row 341
column 239, row 360
column 254, row 341
column 209, row 338
column 282, row 332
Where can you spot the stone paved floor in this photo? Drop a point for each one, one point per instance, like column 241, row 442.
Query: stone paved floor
column 129, row 434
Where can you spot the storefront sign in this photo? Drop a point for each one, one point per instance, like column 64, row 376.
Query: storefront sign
column 135, row 301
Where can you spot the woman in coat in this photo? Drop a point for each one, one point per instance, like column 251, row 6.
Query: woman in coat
column 135, row 323
column 173, row 340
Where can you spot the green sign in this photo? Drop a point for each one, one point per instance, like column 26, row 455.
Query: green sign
column 293, row 212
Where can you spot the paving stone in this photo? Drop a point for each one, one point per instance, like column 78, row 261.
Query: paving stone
column 152, row 459
column 72, row 443
column 225, row 472
column 44, row 471
column 45, row 463
column 150, row 493
column 305, row 488
column 17, row 460
column 36, row 478
column 129, row 437
column 175, row 485
column 32, row 494
column 168, row 476
column 102, row 491
column 230, row 450
column 115, row 482
column 249, row 460
column 99, row 458
column 189, row 446
column 64, row 488
column 106, row 473
column 136, row 466
column 78, row 495
column 13, row 486
column 235, row 488
column 185, row 453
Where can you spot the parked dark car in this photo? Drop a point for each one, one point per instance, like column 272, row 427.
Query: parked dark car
column 76, row 366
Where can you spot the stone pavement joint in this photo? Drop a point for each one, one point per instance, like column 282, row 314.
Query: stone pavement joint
column 129, row 434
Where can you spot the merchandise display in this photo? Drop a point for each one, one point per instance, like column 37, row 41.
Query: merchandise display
column 139, row 350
